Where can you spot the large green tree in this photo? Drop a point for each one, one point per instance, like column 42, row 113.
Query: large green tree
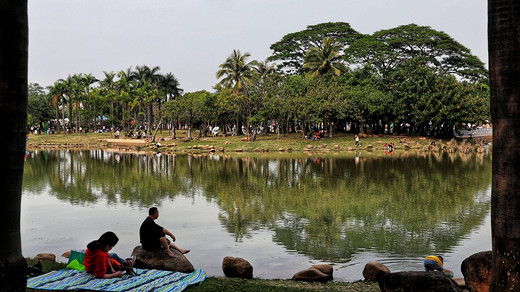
column 289, row 53
column 434, row 103
column 387, row 49
column 39, row 110
column 14, row 38
column 191, row 108
column 504, row 69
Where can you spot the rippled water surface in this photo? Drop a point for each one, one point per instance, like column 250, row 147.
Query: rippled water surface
column 282, row 213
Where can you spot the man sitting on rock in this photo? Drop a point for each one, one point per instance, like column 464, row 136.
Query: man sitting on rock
column 153, row 236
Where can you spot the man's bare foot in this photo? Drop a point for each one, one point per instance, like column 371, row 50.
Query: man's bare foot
column 169, row 253
column 184, row 251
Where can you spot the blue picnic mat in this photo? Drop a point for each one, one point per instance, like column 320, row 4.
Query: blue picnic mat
column 146, row 280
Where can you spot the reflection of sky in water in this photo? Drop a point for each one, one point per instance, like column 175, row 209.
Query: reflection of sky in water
column 54, row 226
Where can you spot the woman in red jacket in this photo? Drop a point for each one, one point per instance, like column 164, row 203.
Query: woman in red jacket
column 97, row 261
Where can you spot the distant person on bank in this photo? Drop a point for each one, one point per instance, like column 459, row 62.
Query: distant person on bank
column 153, row 236
column 434, row 263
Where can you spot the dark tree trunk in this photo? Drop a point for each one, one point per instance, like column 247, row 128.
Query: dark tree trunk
column 223, row 126
column 13, row 115
column 254, row 132
column 89, row 126
column 504, row 71
column 70, row 115
column 57, row 125
column 111, row 114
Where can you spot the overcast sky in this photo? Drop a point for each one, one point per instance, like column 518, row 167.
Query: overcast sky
column 190, row 38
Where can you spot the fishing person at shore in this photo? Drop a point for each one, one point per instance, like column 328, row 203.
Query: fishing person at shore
column 153, row 236
column 434, row 263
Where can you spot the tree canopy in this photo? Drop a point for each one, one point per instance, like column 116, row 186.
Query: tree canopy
column 388, row 49
column 289, row 53
column 409, row 79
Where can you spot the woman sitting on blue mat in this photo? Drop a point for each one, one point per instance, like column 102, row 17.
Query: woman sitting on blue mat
column 98, row 261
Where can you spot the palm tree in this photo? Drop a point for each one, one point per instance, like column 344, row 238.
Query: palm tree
column 144, row 72
column 69, row 90
column 170, row 86
column 236, row 72
column 13, row 115
column 125, row 87
column 325, row 58
column 86, row 81
column 504, row 49
column 74, row 97
column 108, row 85
column 56, row 93
column 264, row 69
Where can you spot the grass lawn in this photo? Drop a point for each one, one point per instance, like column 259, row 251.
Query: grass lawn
column 232, row 144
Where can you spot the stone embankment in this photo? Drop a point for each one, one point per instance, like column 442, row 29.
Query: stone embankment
column 169, row 146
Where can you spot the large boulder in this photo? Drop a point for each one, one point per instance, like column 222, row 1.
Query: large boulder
column 324, row 268
column 237, row 268
column 417, row 282
column 45, row 257
column 158, row 260
column 311, row 275
column 477, row 271
column 374, row 271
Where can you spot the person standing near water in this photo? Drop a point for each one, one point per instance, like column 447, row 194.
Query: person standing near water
column 357, row 140
column 153, row 236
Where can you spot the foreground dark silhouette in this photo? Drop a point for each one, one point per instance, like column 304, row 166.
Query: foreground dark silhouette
column 13, row 118
column 504, row 69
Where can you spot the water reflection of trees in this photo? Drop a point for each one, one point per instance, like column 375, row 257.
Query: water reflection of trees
column 326, row 208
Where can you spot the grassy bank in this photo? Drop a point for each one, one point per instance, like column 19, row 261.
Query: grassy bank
column 292, row 143
column 212, row 284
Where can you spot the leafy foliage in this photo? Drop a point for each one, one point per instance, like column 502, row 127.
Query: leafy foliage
column 39, row 110
column 290, row 51
column 236, row 72
column 409, row 79
column 324, row 59
column 386, row 50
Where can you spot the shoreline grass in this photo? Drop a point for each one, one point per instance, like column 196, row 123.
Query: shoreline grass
column 292, row 143
column 223, row 284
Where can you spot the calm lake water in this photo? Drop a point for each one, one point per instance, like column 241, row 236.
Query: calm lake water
column 282, row 213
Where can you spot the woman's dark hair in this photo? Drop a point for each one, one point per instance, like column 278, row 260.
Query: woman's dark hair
column 108, row 238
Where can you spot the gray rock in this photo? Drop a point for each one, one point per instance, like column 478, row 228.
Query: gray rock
column 158, row 260
column 418, row 282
